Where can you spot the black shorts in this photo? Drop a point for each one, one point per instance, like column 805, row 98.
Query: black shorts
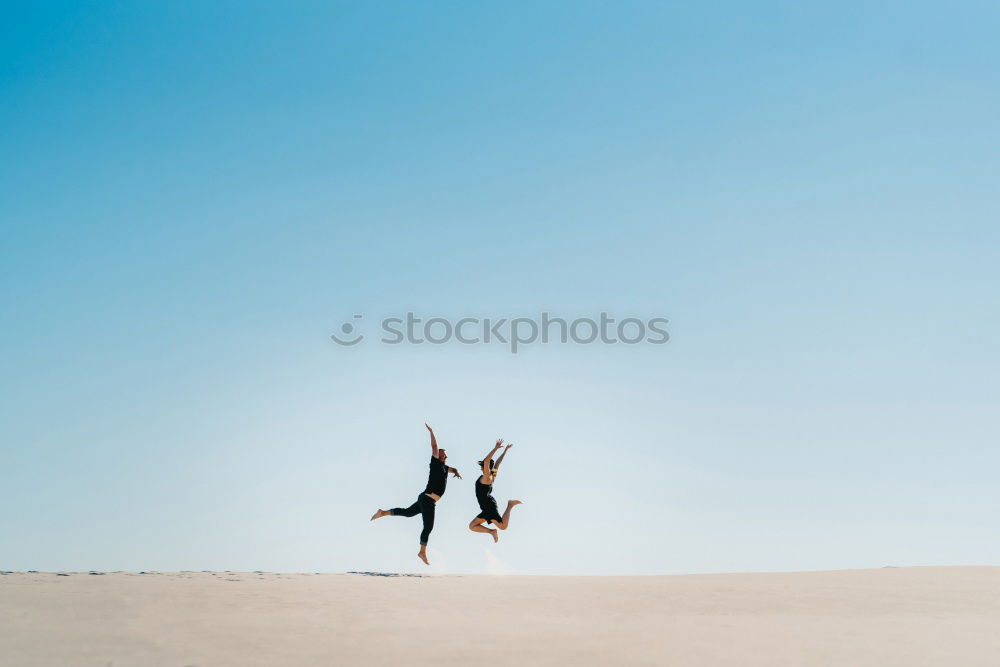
column 490, row 512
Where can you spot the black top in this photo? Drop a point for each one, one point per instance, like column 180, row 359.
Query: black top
column 484, row 493
column 438, row 477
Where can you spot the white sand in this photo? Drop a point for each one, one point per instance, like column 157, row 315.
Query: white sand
column 906, row 616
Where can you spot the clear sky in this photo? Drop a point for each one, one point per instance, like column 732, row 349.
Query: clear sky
column 194, row 196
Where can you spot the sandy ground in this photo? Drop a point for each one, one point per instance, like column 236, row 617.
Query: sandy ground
column 891, row 616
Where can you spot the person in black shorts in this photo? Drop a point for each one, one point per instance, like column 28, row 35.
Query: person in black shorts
column 484, row 495
column 437, row 480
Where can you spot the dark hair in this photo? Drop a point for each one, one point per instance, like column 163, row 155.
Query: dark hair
column 493, row 464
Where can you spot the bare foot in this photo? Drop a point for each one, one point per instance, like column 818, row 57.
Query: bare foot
column 423, row 557
column 511, row 503
column 496, row 535
column 378, row 514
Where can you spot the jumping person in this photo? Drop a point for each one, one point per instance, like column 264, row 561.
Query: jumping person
column 484, row 494
column 437, row 480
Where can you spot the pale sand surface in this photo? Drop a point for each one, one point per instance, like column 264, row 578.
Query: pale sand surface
column 890, row 616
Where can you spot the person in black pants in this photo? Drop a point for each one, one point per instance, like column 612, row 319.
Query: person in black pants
column 484, row 496
column 437, row 480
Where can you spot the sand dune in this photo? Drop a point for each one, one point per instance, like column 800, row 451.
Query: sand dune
column 904, row 616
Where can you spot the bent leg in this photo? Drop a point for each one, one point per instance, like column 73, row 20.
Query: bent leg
column 477, row 526
column 412, row 510
column 505, row 521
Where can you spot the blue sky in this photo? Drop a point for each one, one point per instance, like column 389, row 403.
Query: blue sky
column 194, row 197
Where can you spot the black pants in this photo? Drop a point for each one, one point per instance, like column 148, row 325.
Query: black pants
column 425, row 508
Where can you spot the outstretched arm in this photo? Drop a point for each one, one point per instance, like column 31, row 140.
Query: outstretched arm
column 489, row 456
column 434, row 442
column 500, row 460
column 454, row 471
column 493, row 451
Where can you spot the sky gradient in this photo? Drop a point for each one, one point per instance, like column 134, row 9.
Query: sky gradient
column 193, row 197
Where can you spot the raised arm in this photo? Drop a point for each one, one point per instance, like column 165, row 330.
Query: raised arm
column 500, row 460
column 434, row 442
column 488, row 458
